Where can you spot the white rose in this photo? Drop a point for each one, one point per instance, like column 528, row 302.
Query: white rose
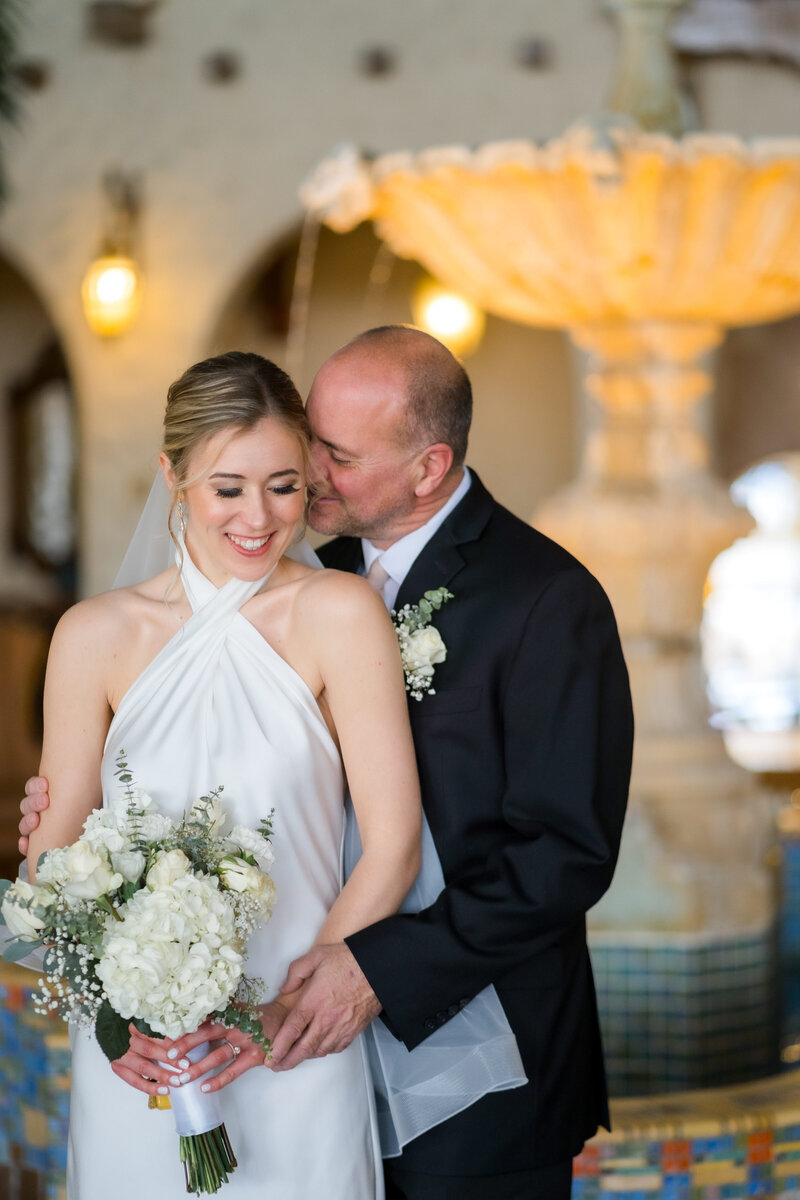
column 252, row 843
column 424, row 648
column 168, row 867
column 209, row 811
column 18, row 904
column 243, row 877
column 129, row 863
column 80, row 871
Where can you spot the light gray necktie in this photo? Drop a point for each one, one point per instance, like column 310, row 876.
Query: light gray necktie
column 377, row 575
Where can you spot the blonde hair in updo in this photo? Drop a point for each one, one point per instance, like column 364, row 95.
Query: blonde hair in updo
column 232, row 391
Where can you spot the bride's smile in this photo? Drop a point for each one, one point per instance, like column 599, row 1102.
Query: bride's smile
column 244, row 499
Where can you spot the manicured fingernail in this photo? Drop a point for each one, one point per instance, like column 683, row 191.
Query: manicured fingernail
column 173, row 1053
column 185, row 1064
column 185, row 1077
column 206, row 1087
column 163, row 1091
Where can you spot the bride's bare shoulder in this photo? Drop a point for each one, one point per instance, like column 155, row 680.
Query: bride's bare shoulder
column 112, row 615
column 340, row 596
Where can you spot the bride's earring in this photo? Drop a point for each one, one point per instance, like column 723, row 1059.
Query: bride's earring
column 182, row 517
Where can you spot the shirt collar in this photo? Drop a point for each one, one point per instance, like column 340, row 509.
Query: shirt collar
column 398, row 559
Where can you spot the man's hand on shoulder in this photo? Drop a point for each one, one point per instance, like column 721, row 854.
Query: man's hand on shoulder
column 36, row 800
column 333, row 1004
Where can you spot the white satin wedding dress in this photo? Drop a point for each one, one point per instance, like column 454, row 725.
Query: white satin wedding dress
column 218, row 706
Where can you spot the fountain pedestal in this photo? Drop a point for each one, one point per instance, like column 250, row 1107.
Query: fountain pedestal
column 682, row 943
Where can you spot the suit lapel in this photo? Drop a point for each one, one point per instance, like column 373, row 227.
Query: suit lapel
column 440, row 561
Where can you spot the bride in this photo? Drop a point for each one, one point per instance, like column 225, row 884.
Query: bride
column 245, row 668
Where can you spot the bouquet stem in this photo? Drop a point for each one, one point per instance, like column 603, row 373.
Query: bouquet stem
column 207, row 1159
column 205, row 1148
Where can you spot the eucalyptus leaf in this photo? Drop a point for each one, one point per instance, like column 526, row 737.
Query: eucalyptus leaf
column 14, row 951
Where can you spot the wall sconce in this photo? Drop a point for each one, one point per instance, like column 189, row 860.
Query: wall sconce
column 111, row 290
column 446, row 315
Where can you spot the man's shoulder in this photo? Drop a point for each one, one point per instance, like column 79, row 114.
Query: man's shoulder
column 523, row 550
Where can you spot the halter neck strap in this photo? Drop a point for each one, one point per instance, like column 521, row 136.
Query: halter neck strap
column 200, row 591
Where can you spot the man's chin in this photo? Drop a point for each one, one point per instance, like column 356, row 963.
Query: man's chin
column 327, row 516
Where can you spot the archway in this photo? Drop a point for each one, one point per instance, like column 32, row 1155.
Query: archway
column 38, row 539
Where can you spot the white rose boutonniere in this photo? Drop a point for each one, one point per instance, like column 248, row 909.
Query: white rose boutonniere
column 421, row 645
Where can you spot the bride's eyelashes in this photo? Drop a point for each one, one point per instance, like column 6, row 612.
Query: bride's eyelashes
column 286, row 489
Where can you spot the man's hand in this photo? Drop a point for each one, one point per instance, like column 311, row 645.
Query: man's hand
column 36, row 800
column 333, row 1005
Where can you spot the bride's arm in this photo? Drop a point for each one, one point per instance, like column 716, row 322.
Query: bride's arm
column 364, row 689
column 76, row 721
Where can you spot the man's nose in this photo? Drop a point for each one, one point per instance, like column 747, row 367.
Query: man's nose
column 317, row 471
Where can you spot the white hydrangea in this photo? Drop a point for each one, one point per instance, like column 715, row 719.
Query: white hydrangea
column 155, row 827
column 102, row 829
column 172, row 959
column 253, row 843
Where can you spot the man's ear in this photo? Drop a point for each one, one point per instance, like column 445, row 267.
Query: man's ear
column 434, row 464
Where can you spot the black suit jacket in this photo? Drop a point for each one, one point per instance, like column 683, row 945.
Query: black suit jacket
column 524, row 756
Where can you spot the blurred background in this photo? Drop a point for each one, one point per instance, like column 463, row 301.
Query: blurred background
column 620, row 270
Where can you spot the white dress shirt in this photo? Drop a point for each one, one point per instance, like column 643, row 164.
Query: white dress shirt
column 398, row 559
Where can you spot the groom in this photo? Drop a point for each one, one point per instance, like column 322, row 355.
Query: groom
column 524, row 756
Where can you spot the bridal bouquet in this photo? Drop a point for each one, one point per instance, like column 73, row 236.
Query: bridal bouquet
column 145, row 920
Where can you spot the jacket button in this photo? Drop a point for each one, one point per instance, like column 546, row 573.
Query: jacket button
column 430, row 1025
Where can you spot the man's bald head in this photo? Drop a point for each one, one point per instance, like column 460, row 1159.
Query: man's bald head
column 436, row 387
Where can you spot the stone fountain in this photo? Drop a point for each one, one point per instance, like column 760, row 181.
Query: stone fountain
column 645, row 243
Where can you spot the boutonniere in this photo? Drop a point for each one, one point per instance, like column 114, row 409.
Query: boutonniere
column 421, row 644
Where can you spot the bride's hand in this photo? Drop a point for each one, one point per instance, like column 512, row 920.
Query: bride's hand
column 140, row 1065
column 234, row 1051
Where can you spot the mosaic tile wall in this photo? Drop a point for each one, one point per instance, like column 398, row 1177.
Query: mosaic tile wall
column 710, row 1145
column 696, row 1012
column 34, row 1096
column 790, row 951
